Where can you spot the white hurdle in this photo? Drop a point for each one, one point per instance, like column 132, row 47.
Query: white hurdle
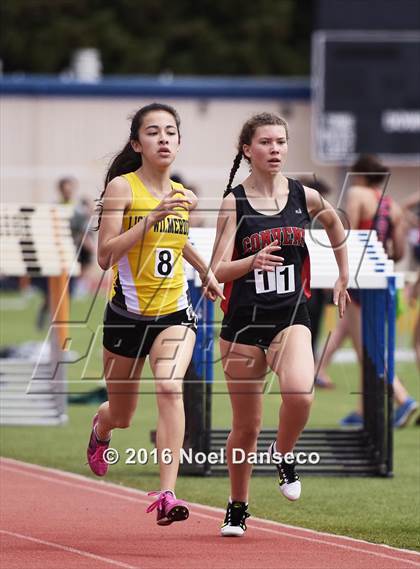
column 36, row 241
column 369, row 265
column 367, row 451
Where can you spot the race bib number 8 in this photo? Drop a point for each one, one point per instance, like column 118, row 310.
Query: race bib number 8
column 164, row 263
column 281, row 280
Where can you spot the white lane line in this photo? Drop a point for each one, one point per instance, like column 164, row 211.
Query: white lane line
column 69, row 549
column 280, row 533
column 281, row 525
column 56, row 475
column 78, row 486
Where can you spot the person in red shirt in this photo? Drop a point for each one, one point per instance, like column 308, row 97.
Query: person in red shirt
column 368, row 208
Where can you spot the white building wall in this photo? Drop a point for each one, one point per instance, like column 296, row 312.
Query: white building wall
column 45, row 138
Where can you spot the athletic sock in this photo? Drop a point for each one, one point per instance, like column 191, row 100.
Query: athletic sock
column 240, row 501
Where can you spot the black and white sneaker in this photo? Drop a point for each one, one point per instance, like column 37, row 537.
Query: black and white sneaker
column 236, row 515
column 289, row 483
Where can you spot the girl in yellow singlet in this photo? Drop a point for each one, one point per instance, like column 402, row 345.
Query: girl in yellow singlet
column 143, row 237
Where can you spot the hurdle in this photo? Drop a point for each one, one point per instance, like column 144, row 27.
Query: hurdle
column 343, row 451
column 36, row 241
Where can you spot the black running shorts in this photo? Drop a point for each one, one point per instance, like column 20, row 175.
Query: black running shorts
column 133, row 338
column 258, row 327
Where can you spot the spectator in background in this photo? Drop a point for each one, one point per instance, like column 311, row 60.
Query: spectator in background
column 368, row 208
column 82, row 214
column 320, row 297
column 83, row 240
column 413, row 298
column 411, row 208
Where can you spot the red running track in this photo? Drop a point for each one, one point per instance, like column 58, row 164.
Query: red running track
column 52, row 519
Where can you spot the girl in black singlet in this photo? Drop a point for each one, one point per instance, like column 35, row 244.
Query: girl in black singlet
column 261, row 255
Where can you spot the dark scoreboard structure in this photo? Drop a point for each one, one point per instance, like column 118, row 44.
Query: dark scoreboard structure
column 366, row 95
column 366, row 80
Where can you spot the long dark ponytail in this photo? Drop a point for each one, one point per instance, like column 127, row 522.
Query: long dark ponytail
column 245, row 137
column 127, row 160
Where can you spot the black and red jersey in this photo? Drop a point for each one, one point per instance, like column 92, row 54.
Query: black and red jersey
column 288, row 284
column 382, row 221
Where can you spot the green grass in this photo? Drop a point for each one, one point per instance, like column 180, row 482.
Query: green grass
column 375, row 509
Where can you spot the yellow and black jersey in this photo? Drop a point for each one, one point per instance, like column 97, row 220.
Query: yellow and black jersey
column 150, row 279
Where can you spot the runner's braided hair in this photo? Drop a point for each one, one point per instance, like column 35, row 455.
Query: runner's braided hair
column 245, row 137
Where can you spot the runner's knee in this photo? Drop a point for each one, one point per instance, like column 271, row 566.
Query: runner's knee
column 249, row 430
column 169, row 390
column 298, row 400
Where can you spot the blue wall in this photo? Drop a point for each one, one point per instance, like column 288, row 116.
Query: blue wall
column 147, row 86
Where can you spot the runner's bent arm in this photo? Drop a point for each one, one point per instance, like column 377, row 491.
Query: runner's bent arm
column 327, row 216
column 212, row 288
column 192, row 199
column 113, row 244
column 224, row 268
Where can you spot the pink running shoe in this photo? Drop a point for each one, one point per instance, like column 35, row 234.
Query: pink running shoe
column 169, row 509
column 95, row 452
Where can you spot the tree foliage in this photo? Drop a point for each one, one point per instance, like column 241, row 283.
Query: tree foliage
column 202, row 37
